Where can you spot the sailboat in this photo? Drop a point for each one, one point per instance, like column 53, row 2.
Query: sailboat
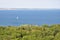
column 17, row 17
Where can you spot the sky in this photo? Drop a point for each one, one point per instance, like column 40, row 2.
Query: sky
column 44, row 4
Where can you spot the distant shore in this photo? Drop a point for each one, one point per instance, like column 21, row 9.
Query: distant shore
column 26, row 9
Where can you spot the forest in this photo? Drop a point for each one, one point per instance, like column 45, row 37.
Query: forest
column 30, row 32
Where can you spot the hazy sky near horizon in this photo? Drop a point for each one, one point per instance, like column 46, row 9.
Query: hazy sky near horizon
column 30, row 4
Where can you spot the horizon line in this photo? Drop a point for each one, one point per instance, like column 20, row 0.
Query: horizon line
column 27, row 8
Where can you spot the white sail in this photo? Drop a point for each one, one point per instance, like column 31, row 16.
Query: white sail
column 17, row 17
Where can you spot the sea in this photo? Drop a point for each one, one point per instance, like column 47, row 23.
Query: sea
column 34, row 17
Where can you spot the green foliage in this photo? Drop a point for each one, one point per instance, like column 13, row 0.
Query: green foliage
column 30, row 32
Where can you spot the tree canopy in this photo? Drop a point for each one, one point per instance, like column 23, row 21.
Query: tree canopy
column 30, row 32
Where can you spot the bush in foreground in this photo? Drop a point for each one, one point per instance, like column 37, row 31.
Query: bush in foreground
column 30, row 32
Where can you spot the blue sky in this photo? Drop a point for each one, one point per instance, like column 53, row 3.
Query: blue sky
column 44, row 4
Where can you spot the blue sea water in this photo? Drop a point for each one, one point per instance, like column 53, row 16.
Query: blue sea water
column 35, row 17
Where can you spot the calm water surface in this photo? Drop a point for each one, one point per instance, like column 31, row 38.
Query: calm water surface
column 38, row 17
